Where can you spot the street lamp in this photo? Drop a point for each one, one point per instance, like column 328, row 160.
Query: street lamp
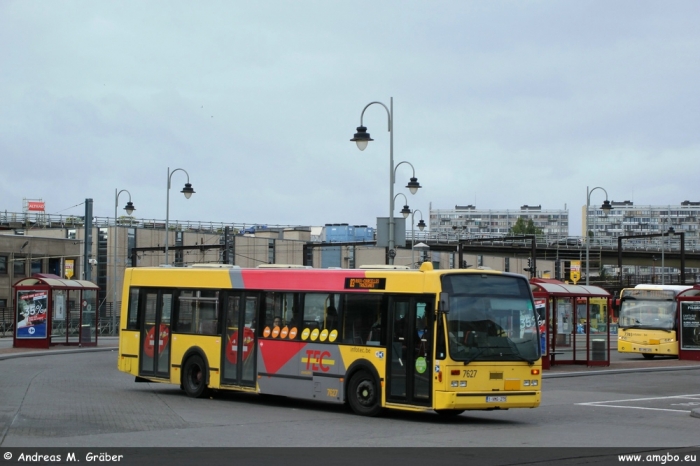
column 421, row 226
column 129, row 208
column 187, row 191
column 606, row 208
column 362, row 138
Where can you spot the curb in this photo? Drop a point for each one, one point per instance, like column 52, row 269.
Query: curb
column 48, row 353
column 618, row 371
column 695, row 413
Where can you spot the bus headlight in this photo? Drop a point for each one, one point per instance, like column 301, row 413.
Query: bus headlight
column 454, row 383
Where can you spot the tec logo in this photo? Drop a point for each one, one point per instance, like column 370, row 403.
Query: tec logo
column 318, row 360
column 379, row 354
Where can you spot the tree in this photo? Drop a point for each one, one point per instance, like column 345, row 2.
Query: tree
column 524, row 228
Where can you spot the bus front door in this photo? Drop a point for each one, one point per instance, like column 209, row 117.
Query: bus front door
column 240, row 339
column 155, row 333
column 410, row 357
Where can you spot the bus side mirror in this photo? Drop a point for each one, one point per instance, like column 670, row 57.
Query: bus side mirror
column 444, row 305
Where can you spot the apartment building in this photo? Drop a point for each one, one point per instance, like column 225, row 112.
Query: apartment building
column 626, row 219
column 467, row 220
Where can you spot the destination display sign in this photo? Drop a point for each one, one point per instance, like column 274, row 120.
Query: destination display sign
column 635, row 293
column 365, row 283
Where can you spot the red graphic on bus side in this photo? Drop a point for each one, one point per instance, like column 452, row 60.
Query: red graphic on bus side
column 232, row 345
column 163, row 336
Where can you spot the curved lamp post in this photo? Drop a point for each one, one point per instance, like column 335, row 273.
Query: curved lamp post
column 362, row 138
column 606, row 208
column 129, row 208
column 421, row 227
column 187, row 191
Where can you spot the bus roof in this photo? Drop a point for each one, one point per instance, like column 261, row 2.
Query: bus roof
column 676, row 288
column 294, row 279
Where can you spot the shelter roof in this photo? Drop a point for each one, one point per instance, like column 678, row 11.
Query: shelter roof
column 558, row 288
column 54, row 281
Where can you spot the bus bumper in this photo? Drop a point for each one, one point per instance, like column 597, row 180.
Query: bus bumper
column 663, row 349
column 487, row 400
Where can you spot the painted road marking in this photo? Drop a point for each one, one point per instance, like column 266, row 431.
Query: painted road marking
column 693, row 400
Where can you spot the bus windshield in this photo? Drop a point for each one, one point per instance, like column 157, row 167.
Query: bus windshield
column 649, row 314
column 491, row 318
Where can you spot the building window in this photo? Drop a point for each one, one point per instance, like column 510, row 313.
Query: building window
column 179, row 253
column 130, row 243
column 36, row 266
column 18, row 266
column 270, row 251
column 3, row 265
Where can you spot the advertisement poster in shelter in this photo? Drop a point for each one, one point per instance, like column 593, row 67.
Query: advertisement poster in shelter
column 32, row 306
column 690, row 325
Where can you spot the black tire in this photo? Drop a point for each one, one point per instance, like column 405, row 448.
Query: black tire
column 449, row 412
column 648, row 356
column 364, row 395
column 194, row 379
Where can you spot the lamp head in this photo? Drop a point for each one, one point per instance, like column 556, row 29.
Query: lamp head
column 405, row 211
column 421, row 225
column 187, row 190
column 413, row 185
column 362, row 138
column 129, row 208
column 606, row 207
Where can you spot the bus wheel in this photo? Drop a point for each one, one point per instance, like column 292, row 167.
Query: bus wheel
column 449, row 412
column 193, row 377
column 363, row 394
column 648, row 356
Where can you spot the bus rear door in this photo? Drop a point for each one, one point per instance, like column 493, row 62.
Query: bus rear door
column 155, row 332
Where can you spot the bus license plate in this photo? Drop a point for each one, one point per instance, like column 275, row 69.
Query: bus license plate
column 644, row 349
column 495, row 399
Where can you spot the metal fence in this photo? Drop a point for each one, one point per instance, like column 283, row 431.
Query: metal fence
column 7, row 322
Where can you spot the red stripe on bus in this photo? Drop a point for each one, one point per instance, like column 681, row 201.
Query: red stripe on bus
column 299, row 280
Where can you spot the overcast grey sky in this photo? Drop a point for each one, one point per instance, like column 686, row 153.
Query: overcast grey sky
column 496, row 103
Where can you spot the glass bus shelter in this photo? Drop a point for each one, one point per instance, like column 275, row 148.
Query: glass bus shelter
column 574, row 322
column 50, row 310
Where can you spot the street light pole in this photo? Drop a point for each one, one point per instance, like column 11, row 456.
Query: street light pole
column 129, row 208
column 421, row 226
column 606, row 208
column 362, row 138
column 187, row 191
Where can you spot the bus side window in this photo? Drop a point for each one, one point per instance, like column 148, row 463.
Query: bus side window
column 133, row 317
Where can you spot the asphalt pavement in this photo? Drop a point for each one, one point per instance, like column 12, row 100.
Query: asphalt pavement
column 620, row 363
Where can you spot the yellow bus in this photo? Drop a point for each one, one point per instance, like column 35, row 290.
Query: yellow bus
column 417, row 340
column 647, row 320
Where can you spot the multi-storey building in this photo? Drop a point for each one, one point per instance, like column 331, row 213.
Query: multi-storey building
column 627, row 219
column 467, row 220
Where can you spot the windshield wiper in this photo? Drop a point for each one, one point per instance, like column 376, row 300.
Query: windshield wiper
column 479, row 352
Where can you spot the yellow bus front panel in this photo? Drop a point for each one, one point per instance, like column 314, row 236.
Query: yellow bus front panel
column 489, row 386
column 651, row 342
